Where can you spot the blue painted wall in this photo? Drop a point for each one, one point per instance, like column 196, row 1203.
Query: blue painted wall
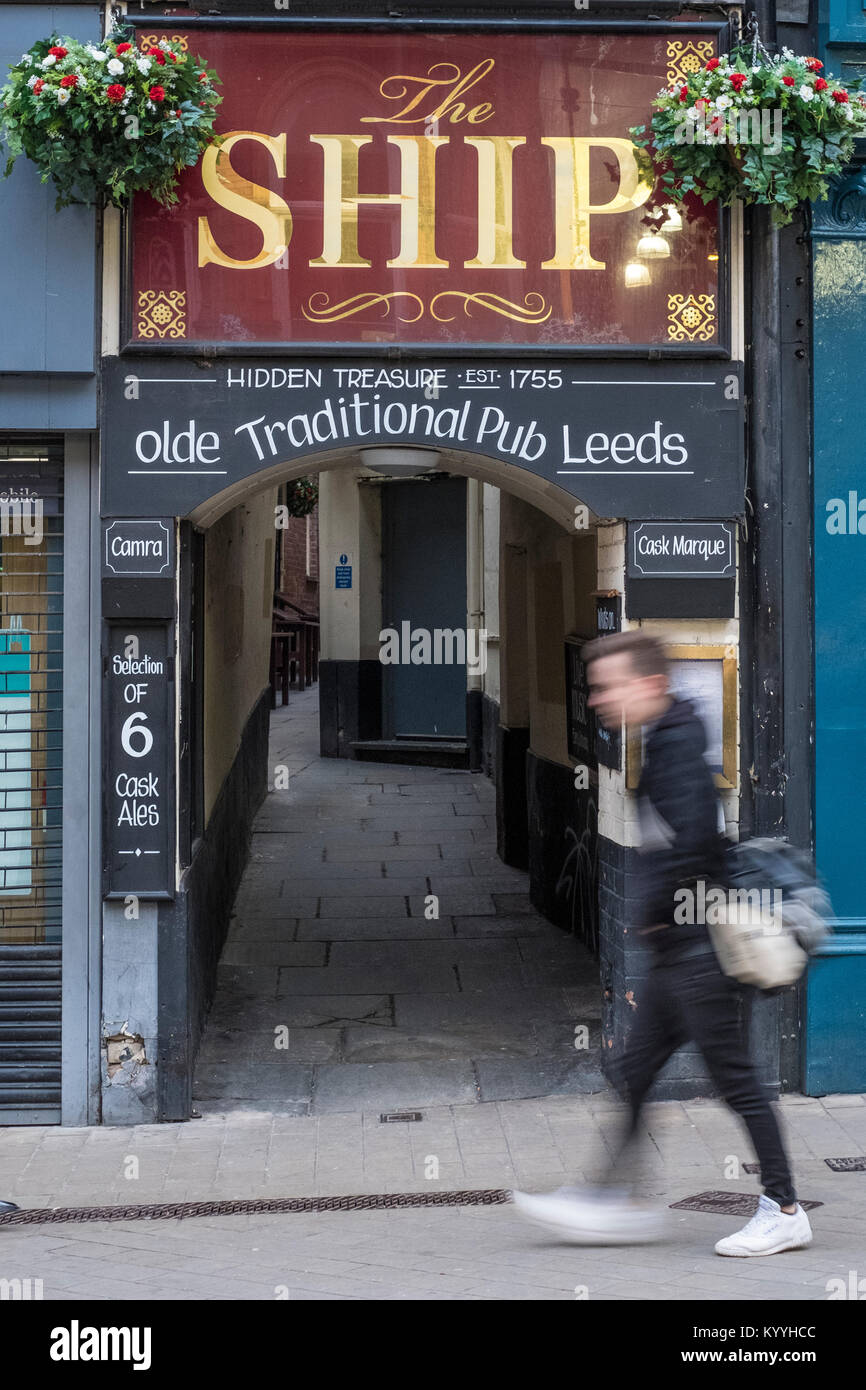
column 47, row 264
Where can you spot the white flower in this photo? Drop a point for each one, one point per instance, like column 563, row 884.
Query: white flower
column 143, row 64
column 97, row 55
column 26, row 58
column 115, row 67
column 48, row 61
column 150, row 106
column 787, row 52
column 163, row 43
column 756, row 69
column 723, row 102
column 32, row 80
column 63, row 95
column 806, row 93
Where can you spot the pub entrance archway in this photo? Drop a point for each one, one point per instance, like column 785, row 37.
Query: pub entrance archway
column 520, row 650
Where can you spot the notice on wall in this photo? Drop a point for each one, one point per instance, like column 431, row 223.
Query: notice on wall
column 608, row 742
column 138, row 791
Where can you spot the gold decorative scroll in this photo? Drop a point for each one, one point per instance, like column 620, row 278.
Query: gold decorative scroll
column 534, row 308
column 326, row 312
column 152, row 40
column 686, row 58
column 691, row 318
column 161, row 313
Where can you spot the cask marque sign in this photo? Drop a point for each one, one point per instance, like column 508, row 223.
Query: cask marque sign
column 428, row 188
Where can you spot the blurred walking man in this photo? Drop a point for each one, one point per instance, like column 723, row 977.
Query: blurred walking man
column 685, row 996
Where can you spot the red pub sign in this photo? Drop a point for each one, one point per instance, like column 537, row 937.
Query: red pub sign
column 429, row 188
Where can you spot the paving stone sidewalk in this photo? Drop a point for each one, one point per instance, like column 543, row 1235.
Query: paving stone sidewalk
column 422, row 1254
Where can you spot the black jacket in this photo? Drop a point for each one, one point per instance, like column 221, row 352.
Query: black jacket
column 679, row 823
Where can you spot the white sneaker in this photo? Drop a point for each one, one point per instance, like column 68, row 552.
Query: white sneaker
column 769, row 1232
column 588, row 1216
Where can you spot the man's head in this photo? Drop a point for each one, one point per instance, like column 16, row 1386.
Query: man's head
column 628, row 678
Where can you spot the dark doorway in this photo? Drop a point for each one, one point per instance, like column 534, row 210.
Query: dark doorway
column 424, row 586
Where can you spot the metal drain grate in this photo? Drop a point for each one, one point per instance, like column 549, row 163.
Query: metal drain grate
column 257, row 1206
column 847, row 1165
column 727, row 1203
column 400, row 1117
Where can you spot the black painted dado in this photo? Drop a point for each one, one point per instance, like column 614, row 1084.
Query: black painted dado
column 192, row 930
column 512, row 830
column 562, row 847
column 474, row 729
column 350, row 705
column 489, row 736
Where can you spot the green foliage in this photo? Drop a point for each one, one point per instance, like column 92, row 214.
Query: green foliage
column 806, row 124
column 130, row 121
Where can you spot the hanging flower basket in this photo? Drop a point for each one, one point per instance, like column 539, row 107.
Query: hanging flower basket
column 301, row 496
column 107, row 120
column 760, row 127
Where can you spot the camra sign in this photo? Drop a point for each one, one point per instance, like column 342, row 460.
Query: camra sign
column 428, row 188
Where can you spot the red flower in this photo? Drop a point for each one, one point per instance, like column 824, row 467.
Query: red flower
column 202, row 77
column 840, row 96
column 814, row 64
column 178, row 114
column 712, row 64
column 115, row 92
column 172, row 56
column 738, row 81
column 70, row 81
column 37, row 86
column 684, row 93
column 702, row 103
column 789, row 81
column 820, row 85
column 158, row 54
column 58, row 53
column 157, row 94
column 124, row 47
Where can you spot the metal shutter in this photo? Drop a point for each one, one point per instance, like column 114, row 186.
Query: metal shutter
column 31, row 718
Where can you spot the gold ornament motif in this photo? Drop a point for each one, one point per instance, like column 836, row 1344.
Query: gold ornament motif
column 534, row 308
column 326, row 312
column 152, row 41
column 687, row 58
column 691, row 318
column 161, row 313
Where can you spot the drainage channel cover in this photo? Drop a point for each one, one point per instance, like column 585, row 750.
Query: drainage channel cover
column 727, row 1203
column 400, row 1117
column 256, row 1206
column 847, row 1165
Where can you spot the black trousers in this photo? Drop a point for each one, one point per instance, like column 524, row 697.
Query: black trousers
column 687, row 997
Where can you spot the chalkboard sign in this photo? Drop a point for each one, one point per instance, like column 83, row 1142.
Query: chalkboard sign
column 580, row 720
column 608, row 742
column 138, row 790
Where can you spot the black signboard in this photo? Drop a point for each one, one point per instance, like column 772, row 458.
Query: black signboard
column 138, row 548
column 628, row 439
column 681, row 569
column 608, row 742
column 580, row 721
column 138, row 789
column 681, row 550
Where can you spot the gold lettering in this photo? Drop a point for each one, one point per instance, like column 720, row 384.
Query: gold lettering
column 572, row 196
column 495, row 212
column 450, row 106
column 416, row 200
column 265, row 209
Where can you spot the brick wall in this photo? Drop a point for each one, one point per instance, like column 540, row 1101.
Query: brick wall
column 300, row 554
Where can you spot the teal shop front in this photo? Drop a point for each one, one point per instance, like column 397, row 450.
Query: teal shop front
column 835, row 1058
